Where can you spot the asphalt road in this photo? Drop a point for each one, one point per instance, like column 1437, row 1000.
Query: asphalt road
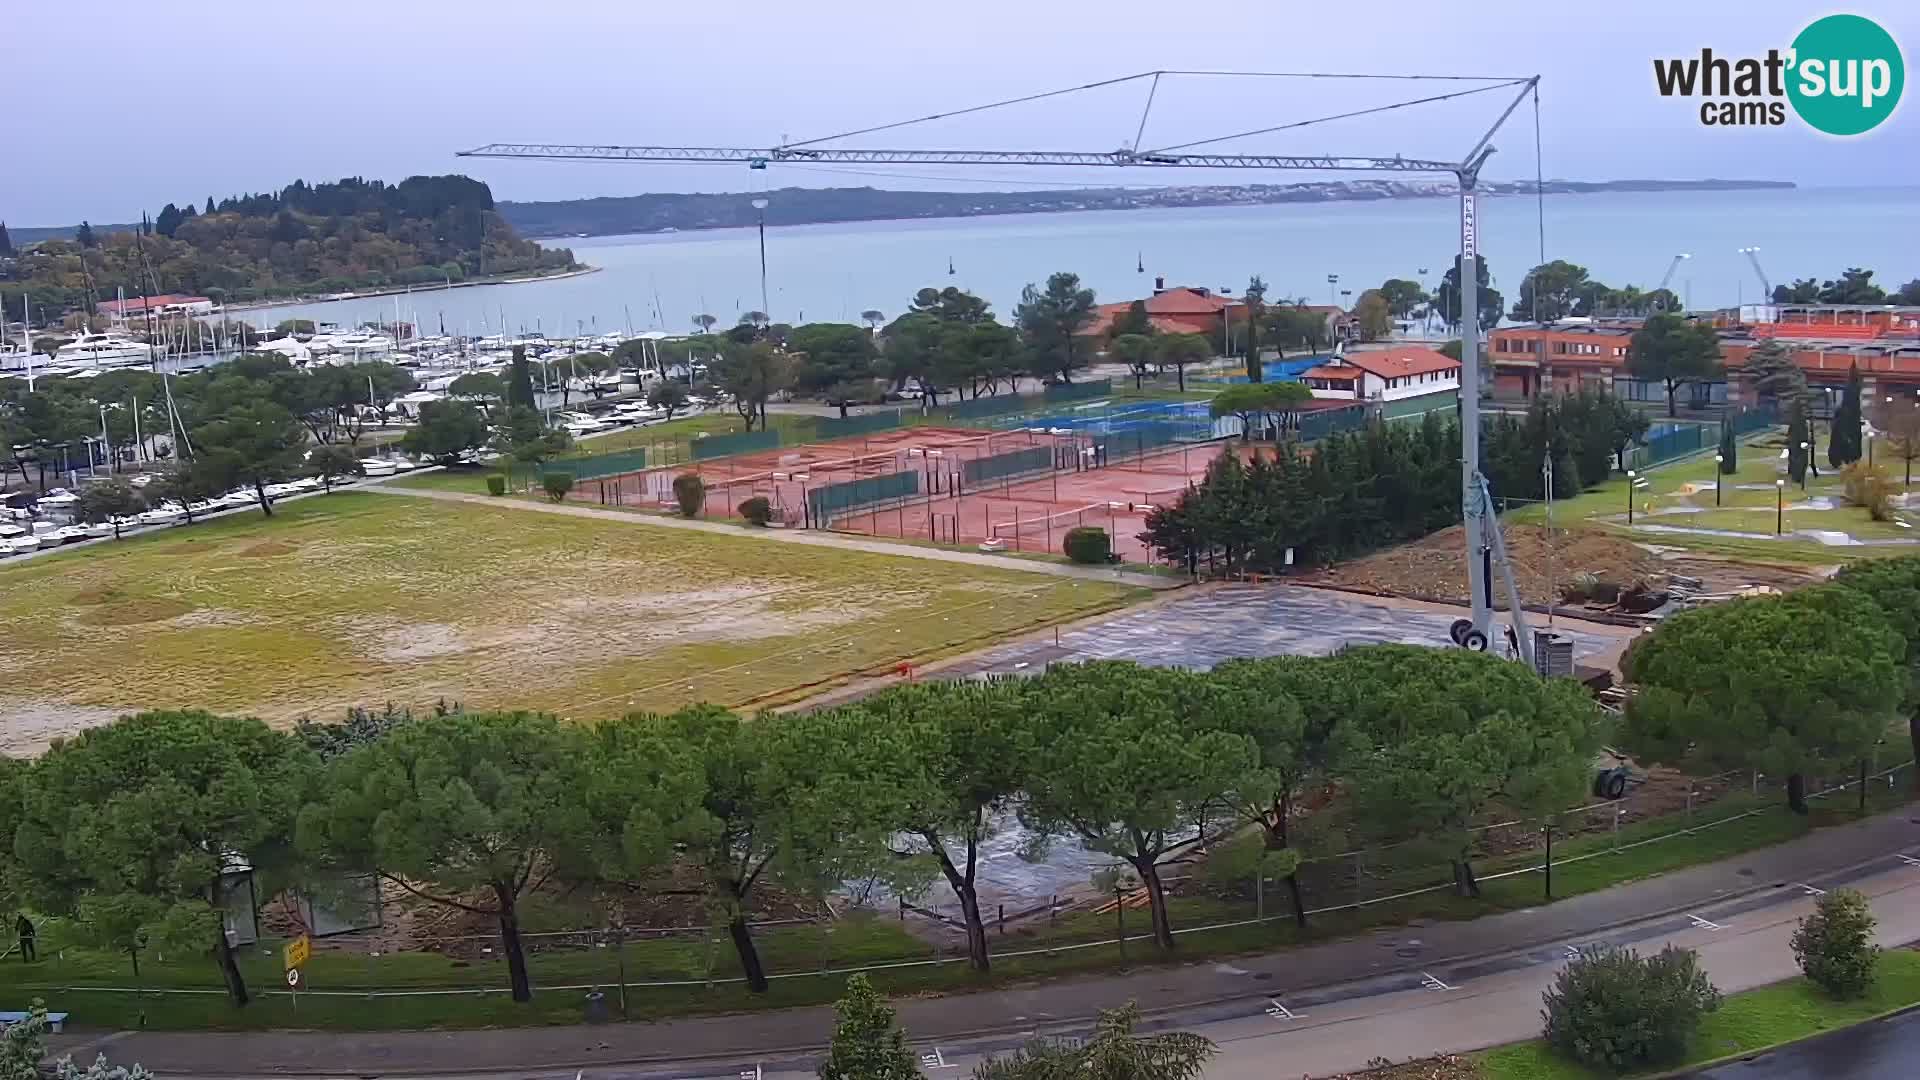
column 1883, row 1050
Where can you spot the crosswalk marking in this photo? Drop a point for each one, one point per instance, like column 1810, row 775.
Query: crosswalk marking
column 1704, row 924
column 1429, row 981
column 935, row 1060
column 1281, row 1012
column 1908, row 859
column 1810, row 890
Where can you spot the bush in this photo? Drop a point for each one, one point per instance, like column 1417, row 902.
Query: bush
column 556, row 484
column 691, row 493
column 1087, row 544
column 1612, row 1009
column 756, row 510
column 1835, row 944
column 1868, row 486
column 496, row 484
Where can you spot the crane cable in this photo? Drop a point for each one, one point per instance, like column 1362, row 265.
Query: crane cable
column 1335, row 116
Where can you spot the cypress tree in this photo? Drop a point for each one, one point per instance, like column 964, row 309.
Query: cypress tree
column 1729, row 451
column 520, row 381
column 1844, row 447
column 1796, row 435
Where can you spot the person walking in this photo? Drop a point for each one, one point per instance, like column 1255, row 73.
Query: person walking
column 24, row 928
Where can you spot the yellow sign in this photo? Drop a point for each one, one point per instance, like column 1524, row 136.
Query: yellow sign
column 297, row 952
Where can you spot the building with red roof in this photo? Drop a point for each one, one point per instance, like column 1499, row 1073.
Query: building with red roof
column 1182, row 309
column 1378, row 375
column 164, row 304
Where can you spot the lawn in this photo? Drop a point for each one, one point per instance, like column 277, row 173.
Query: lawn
column 1744, row 1023
column 358, row 598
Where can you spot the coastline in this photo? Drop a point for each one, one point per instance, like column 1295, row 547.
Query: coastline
column 265, row 305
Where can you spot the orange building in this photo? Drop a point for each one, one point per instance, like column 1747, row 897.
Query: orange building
column 1182, row 309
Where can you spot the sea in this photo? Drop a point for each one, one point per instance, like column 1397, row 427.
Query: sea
column 835, row 272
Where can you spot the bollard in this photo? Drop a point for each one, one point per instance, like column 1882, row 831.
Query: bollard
column 596, row 1008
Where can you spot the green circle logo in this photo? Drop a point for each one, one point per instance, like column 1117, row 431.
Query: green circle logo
column 1847, row 75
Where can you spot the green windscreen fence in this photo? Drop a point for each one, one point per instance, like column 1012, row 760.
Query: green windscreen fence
column 980, row 408
column 824, row 502
column 1080, row 391
column 1324, row 422
column 597, row 465
column 831, row 428
column 1145, row 438
column 1011, row 463
column 745, row 442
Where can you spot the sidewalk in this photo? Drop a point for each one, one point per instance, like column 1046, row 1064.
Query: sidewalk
column 1022, row 1008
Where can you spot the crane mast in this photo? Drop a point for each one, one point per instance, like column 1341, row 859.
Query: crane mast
column 1484, row 544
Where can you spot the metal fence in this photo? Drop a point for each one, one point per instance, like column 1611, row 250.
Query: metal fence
column 1080, row 391
column 1011, row 463
column 594, row 466
column 744, row 442
column 832, row 428
column 830, row 499
column 1321, row 423
column 1679, row 438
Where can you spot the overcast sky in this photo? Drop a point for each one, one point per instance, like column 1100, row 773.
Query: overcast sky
column 138, row 104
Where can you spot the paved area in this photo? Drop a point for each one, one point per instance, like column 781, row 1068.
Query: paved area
column 1231, row 621
column 1883, row 1050
column 1305, row 1011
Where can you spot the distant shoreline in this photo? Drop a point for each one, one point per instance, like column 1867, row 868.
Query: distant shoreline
column 404, row 290
column 666, row 213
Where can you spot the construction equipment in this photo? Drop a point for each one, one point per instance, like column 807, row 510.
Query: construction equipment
column 1475, row 502
column 1766, row 287
column 1671, row 267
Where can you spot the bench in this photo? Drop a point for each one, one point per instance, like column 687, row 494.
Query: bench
column 55, row 1020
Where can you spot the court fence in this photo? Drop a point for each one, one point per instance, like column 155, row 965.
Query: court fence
column 828, row 500
column 1011, row 463
column 1214, row 905
column 744, row 442
column 594, row 466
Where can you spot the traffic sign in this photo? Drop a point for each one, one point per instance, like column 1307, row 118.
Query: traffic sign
column 293, row 977
column 297, row 952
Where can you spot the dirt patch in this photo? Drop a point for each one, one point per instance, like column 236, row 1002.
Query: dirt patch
column 130, row 610
column 1726, row 575
column 28, row 727
column 267, row 550
column 1433, row 568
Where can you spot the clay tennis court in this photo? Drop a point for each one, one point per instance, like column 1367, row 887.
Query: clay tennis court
column 785, row 475
column 1033, row 512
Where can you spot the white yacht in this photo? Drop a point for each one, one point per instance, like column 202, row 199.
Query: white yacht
column 94, row 350
column 290, row 347
column 18, row 357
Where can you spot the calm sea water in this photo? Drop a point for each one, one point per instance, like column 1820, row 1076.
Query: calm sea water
column 834, row 272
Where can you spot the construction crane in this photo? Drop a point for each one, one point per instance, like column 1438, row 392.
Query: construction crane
column 1766, row 287
column 1671, row 267
column 1484, row 545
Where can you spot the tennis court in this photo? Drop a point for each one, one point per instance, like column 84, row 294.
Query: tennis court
column 1032, row 513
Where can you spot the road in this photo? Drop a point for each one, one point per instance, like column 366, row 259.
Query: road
column 1883, row 1050
column 1308, row 1011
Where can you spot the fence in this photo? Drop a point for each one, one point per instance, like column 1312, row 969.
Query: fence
column 744, row 442
column 1345, row 891
column 1142, row 439
column 830, row 428
column 1324, row 422
column 1080, row 391
column 594, row 466
column 827, row 500
column 1682, row 437
column 1012, row 463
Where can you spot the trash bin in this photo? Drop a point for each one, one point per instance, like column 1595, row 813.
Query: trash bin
column 596, row 1007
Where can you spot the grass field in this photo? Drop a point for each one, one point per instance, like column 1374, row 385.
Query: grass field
column 359, row 598
column 1744, row 1023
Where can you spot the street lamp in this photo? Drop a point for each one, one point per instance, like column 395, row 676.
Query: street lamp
column 1718, row 463
column 760, row 205
column 1806, row 462
column 1332, row 281
column 1779, row 505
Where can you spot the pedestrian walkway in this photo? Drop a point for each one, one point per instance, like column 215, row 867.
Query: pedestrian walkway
column 1407, row 951
column 809, row 537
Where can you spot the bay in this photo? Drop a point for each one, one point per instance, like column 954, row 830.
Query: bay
column 834, row 272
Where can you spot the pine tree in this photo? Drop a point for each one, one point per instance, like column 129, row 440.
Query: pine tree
column 1844, row 446
column 209, row 209
column 6, row 242
column 866, row 1044
column 85, row 235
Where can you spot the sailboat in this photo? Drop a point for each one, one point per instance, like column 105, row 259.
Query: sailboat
column 1139, row 263
column 949, row 265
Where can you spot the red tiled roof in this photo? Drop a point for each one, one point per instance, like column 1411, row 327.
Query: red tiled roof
column 1400, row 361
column 1183, row 300
column 135, row 303
column 1343, row 373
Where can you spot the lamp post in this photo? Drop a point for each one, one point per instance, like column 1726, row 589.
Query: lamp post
column 1779, row 506
column 1806, row 463
column 760, row 205
column 1718, row 462
column 1426, row 323
column 1333, row 280
column 1630, row 478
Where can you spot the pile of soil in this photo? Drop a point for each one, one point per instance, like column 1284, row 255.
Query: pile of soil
column 1435, row 568
column 1437, row 1068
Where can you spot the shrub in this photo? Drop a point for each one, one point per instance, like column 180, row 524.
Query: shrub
column 1868, row 486
column 756, row 510
column 691, row 493
column 1612, row 1009
column 556, row 484
column 1087, row 544
column 1835, row 944
column 496, row 484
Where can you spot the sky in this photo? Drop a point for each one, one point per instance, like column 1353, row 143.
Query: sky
column 141, row 104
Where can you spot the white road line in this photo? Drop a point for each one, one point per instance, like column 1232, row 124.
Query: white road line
column 1908, row 859
column 1281, row 1012
column 1430, row 982
column 1810, row 890
column 1573, row 952
column 1704, row 924
column 936, row 1060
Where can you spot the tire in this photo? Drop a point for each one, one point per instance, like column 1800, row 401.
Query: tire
column 1599, row 785
column 1474, row 641
column 1458, row 631
column 1617, row 784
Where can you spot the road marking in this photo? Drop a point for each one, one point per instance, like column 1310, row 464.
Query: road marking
column 1908, row 859
column 1430, row 982
column 1810, row 890
column 936, row 1060
column 1704, row 924
column 1573, row 952
column 751, row 1074
column 1281, row 1012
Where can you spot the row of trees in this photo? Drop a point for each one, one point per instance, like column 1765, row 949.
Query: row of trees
column 1384, row 484
column 1854, row 286
column 125, row 828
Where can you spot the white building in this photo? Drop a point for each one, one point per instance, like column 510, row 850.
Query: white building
column 1375, row 375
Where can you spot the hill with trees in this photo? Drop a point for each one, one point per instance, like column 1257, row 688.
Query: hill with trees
column 304, row 239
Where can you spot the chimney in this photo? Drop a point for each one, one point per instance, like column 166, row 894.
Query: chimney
column 1159, row 284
